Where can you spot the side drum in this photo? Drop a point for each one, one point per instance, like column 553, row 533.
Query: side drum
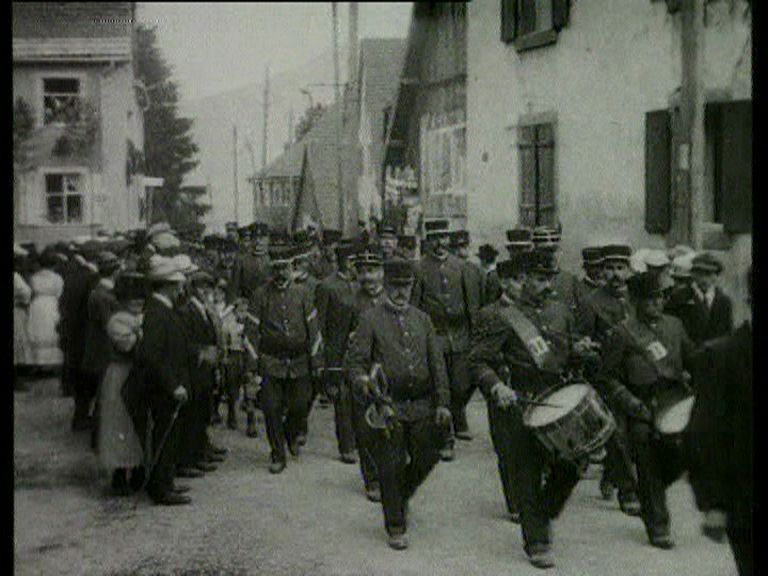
column 575, row 423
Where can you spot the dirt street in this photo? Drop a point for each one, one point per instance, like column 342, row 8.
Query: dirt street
column 313, row 518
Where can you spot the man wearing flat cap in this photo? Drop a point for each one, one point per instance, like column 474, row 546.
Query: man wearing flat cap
column 102, row 304
column 283, row 329
column 606, row 307
column 335, row 298
column 491, row 288
column 712, row 314
column 162, row 366
column 520, row 348
column 644, row 362
column 442, row 290
column 395, row 362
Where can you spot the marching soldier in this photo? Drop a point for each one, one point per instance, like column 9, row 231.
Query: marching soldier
column 441, row 290
column 564, row 287
column 487, row 255
column 287, row 342
column 335, row 308
column 643, row 364
column 407, row 247
column 369, row 294
column 592, row 262
column 250, row 269
column 387, row 241
column 520, row 349
column 411, row 393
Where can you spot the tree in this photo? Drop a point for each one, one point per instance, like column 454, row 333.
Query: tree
column 311, row 116
column 169, row 150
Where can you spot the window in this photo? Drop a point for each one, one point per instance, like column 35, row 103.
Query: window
column 64, row 197
column 728, row 165
column 443, row 160
column 532, row 23
column 61, row 100
column 536, row 146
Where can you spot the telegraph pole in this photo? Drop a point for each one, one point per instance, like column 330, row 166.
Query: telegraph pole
column 340, row 112
column 266, row 122
column 237, row 195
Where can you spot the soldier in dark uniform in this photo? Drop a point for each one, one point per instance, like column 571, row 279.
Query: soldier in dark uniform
column 250, row 269
column 323, row 262
column 441, row 290
column 287, row 342
column 411, row 391
column 370, row 293
column 606, row 307
column 643, row 364
column 387, row 241
column 407, row 247
column 335, row 299
column 720, row 441
column 564, row 287
column 592, row 262
column 520, row 349
column 487, row 255
column 162, row 365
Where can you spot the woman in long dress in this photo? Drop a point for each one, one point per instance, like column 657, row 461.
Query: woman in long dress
column 44, row 317
column 22, row 295
column 120, row 446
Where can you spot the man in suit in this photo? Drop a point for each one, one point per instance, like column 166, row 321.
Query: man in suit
column 720, row 441
column 335, row 299
column 411, row 393
column 443, row 290
column 286, row 340
column 162, row 364
column 712, row 316
column 487, row 255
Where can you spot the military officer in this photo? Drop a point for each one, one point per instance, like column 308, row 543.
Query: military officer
column 441, row 290
column 519, row 350
column 335, row 298
column 564, row 287
column 410, row 388
column 643, row 363
column 250, row 269
column 599, row 314
column 370, row 293
column 287, row 342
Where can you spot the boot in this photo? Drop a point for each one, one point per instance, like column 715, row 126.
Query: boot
column 231, row 416
column 251, row 431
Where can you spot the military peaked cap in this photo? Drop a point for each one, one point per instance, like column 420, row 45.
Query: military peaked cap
column 592, row 256
column 398, row 271
column 645, row 285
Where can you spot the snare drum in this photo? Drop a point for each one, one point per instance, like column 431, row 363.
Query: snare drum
column 673, row 416
column 580, row 423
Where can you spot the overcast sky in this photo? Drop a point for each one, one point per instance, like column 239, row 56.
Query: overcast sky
column 217, row 47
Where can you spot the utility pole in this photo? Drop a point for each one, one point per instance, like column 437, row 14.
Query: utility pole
column 266, row 122
column 290, row 127
column 237, row 195
column 340, row 112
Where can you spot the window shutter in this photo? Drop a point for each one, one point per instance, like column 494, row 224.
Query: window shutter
column 545, row 155
column 737, row 167
column 560, row 11
column 527, row 150
column 508, row 20
column 658, row 167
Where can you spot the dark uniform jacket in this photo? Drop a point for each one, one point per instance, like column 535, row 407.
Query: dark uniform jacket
column 645, row 360
column 491, row 286
column 442, row 291
column 720, row 433
column 583, row 289
column 335, row 298
column 102, row 304
column 405, row 344
column 564, row 286
column 500, row 354
column 283, row 329
column 701, row 322
column 599, row 313
column 249, row 272
column 78, row 283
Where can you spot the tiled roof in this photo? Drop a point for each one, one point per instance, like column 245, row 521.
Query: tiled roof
column 72, row 19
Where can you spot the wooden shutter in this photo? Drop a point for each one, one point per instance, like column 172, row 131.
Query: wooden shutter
column 526, row 16
column 527, row 150
column 658, row 171
column 508, row 20
column 545, row 185
column 736, row 208
column 560, row 11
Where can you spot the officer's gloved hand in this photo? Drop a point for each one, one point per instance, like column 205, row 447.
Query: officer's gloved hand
column 714, row 525
column 180, row 394
column 443, row 416
column 504, row 395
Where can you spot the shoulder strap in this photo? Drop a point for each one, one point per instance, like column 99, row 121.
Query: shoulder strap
column 534, row 342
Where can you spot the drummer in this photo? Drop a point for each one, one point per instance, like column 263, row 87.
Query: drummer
column 520, row 348
column 643, row 364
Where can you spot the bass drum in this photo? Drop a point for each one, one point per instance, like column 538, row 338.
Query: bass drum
column 576, row 423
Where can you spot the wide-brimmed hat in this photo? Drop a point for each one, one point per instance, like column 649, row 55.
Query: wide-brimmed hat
column 398, row 271
column 159, row 228
column 682, row 265
column 656, row 258
column 164, row 269
column 165, row 241
column 707, row 262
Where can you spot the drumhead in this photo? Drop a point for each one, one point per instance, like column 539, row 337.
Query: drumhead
column 566, row 399
column 674, row 419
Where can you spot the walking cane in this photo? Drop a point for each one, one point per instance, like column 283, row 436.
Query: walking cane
column 160, row 447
